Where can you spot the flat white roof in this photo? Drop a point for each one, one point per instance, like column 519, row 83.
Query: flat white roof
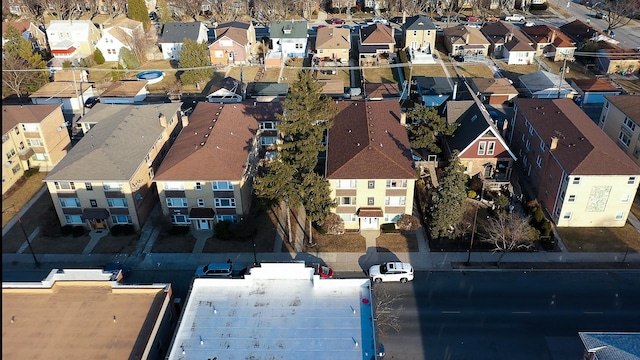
column 279, row 311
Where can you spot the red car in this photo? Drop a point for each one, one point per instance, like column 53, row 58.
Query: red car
column 336, row 21
column 473, row 18
column 325, row 272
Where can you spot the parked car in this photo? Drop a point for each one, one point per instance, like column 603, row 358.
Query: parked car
column 473, row 18
column 601, row 15
column 492, row 19
column 325, row 272
column 459, row 58
column 336, row 21
column 450, row 18
column 215, row 270
column 153, row 16
column 321, row 26
column 391, row 271
column 382, row 21
column 529, row 24
column 515, row 17
column 91, row 102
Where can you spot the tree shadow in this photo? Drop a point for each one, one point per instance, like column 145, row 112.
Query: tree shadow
column 375, row 255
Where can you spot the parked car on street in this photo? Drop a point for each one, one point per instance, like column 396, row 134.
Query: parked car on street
column 336, row 21
column 91, row 102
column 515, row 17
column 325, row 272
column 450, row 18
column 492, row 19
column 215, row 270
column 473, row 18
column 601, row 15
column 391, row 271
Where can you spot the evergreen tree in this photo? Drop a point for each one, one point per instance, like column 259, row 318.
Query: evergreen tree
column 137, row 10
column 316, row 197
column 426, row 126
column 98, row 57
column 164, row 12
column 127, row 59
column 195, row 55
column 18, row 57
column 449, row 200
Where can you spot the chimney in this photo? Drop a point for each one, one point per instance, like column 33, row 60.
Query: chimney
column 505, row 126
column 404, row 17
column 185, row 120
column 554, row 143
column 163, row 120
column 466, row 39
column 553, row 36
column 403, row 119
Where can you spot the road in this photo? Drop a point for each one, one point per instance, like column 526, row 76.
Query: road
column 509, row 315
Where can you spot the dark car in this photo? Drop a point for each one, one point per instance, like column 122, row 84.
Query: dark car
column 91, row 102
column 120, row 270
column 153, row 16
column 459, row 58
column 336, row 21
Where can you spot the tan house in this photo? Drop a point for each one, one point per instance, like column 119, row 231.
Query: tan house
column 578, row 174
column 234, row 43
column 71, row 94
column 494, row 91
column 466, row 40
column 125, row 92
column 369, row 164
column 620, row 120
column 550, row 42
column 33, row 136
column 29, row 31
column 207, row 175
column 72, row 38
column 377, row 44
column 419, row 38
column 333, row 44
column 71, row 75
column 107, row 177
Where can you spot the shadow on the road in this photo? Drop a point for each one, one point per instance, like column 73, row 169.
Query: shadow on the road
column 375, row 255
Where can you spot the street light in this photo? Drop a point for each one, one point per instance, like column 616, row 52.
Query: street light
column 24, row 232
column 473, row 231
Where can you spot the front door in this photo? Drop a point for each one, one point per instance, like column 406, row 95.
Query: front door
column 98, row 224
column 369, row 223
column 202, row 224
column 414, row 45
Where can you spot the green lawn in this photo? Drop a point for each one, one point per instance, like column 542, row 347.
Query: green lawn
column 379, row 75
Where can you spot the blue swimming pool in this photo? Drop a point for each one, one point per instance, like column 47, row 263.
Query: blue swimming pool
column 152, row 76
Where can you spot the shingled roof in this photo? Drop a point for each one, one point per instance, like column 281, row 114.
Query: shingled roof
column 13, row 115
column 376, row 34
column 628, row 104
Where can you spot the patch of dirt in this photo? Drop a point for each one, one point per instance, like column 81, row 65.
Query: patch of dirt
column 399, row 242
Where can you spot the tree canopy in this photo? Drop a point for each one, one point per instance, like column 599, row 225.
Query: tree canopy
column 449, row 199
column 426, row 126
column 137, row 10
column 19, row 58
column 195, row 55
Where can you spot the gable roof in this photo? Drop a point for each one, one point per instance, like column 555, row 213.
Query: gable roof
column 544, row 80
column 518, row 43
column 119, row 34
column 418, row 23
column 21, row 26
column 433, row 85
column 124, row 88
column 498, row 32
column 79, row 26
column 229, row 83
column 583, row 148
column 458, row 35
column 288, row 29
column 333, row 38
column 120, row 140
column 176, row 32
column 366, row 133
column 217, row 142
column 376, row 34
column 61, row 89
column 267, row 89
column 70, row 75
column 13, row 115
column 547, row 34
column 596, row 85
column 578, row 31
column 234, row 30
column 628, row 104
column 497, row 86
column 381, row 91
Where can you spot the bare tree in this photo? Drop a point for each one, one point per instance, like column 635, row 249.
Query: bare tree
column 16, row 77
column 386, row 313
column 508, row 232
column 620, row 13
column 59, row 9
column 35, row 10
column 140, row 43
column 271, row 10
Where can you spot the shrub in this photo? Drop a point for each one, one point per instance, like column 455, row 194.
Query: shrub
column 117, row 75
column 127, row 59
column 223, row 230
column 77, row 231
column 178, row 230
column 122, row 230
column 66, row 64
column 408, row 222
column 475, row 184
column 538, row 214
column 472, row 194
column 98, row 57
column 545, row 228
column 333, row 224
column 502, row 201
column 31, row 172
column 388, row 228
column 66, row 230
column 85, row 62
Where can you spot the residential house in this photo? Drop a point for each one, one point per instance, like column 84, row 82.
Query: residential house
column 333, row 44
column 509, row 43
column 69, row 39
column 593, row 91
column 343, row 4
column 235, row 8
column 579, row 32
column 620, row 120
column 14, row 7
column 81, row 303
column 289, row 38
column 419, row 38
column 234, row 43
column 71, row 94
column 207, row 175
column 478, row 140
column 174, row 34
column 545, row 85
column 466, row 40
column 285, row 293
column 121, row 35
column 125, row 92
column 33, row 136
column 578, row 174
column 267, row 91
column 375, row 4
column 66, row 75
column 106, row 179
column 228, row 90
column 29, row 31
column 550, row 42
column 377, row 45
column 379, row 91
column 433, row 91
column 369, row 164
column 494, row 91
column 613, row 59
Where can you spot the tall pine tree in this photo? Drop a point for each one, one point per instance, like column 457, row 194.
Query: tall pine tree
column 449, row 200
column 137, row 10
column 195, row 55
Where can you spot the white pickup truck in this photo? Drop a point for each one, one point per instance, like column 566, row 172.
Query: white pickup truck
column 515, row 17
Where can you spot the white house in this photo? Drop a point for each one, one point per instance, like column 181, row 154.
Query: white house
column 72, row 38
column 289, row 37
column 120, row 35
column 174, row 33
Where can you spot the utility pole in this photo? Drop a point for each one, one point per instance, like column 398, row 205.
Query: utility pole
column 24, row 232
column 473, row 230
column 562, row 72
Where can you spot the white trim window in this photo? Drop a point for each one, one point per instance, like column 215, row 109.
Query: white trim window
column 222, row 185
column 69, row 202
column 539, row 161
column 491, row 147
column 173, row 185
column 629, row 124
column 567, row 215
column 624, row 139
column 200, row 202
column 268, row 140
column 111, row 186
column 576, row 180
column 572, row 198
column 40, row 157
column 346, row 200
column 620, row 215
column 121, row 219
column 482, row 145
column 267, row 125
column 392, row 184
column 31, row 127
column 180, row 219
column 631, row 180
column 65, row 185
column 224, row 202
column 117, row 202
column 348, row 218
column 73, row 219
column 392, row 218
column 198, row 186
column 395, row 200
column 177, row 202
column 35, row 142
column 346, row 184
column 625, row 198
column 232, row 218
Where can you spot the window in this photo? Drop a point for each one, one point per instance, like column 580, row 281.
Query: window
column 348, row 217
column 371, row 184
column 631, row 180
column 625, row 198
column 624, row 139
column 298, row 46
column 267, row 125
column 35, row 142
column 576, row 180
column 200, row 202
column 392, row 218
column 111, row 186
column 198, row 186
column 31, row 127
column 370, row 201
column 268, row 140
column 636, row 152
column 528, row 145
column 572, row 198
column 21, row 146
column 567, row 216
column 345, row 184
column 177, row 202
column 173, row 185
column 93, row 203
column 543, row 146
column 180, row 219
column 11, row 153
column 620, row 215
column 73, row 219
column 395, row 200
column 491, row 148
column 16, row 130
column 16, row 169
column 482, row 145
column 5, row 138
column 396, row 183
column 117, row 202
column 69, row 202
column 225, row 202
column 346, row 200
column 530, row 129
column 121, row 219
column 629, row 124
column 232, row 218
column 222, row 185
column 88, row 186
column 40, row 157
column 147, row 159
column 539, row 161
column 65, row 185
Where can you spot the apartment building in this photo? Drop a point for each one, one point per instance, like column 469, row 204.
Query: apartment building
column 620, row 120
column 369, row 164
column 580, row 176
column 207, row 175
column 33, row 136
column 107, row 178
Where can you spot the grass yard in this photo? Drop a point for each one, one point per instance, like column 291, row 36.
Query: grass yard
column 514, row 71
column 475, row 71
column 379, row 75
column 166, row 243
column 248, row 71
column 272, row 75
column 397, row 243
column 576, row 69
column 435, row 70
column 19, row 194
column 343, row 75
column 259, row 228
column 59, row 245
column 116, row 244
column 621, row 239
column 349, row 242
